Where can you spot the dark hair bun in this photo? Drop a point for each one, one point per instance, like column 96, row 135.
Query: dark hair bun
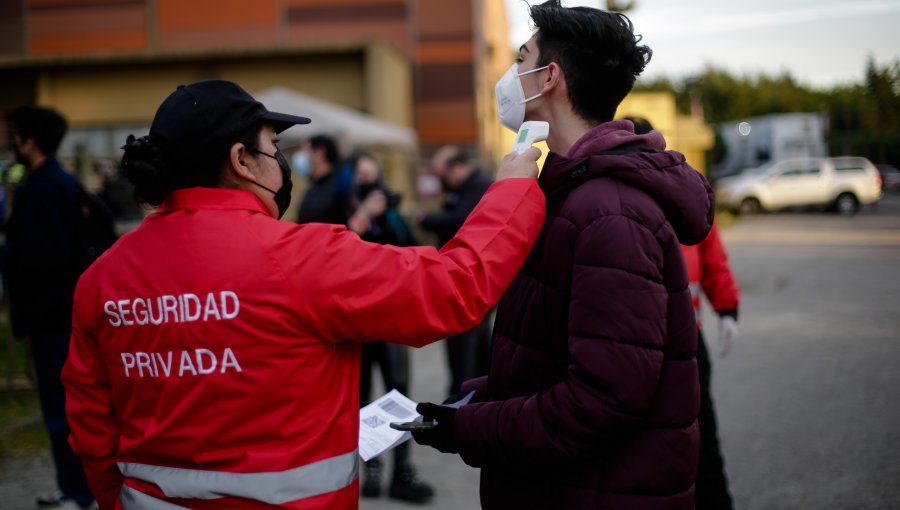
column 144, row 165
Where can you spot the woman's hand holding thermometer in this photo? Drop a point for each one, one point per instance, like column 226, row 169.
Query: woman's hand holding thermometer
column 522, row 161
column 530, row 133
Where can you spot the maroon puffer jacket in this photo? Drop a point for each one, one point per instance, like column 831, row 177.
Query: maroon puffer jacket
column 592, row 396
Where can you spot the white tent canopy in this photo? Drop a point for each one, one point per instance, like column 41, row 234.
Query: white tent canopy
column 348, row 126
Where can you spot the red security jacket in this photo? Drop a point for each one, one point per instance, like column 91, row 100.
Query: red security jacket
column 213, row 361
column 707, row 266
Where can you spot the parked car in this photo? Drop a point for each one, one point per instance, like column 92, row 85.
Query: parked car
column 842, row 184
column 890, row 177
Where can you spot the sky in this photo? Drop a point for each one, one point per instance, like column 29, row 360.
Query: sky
column 822, row 43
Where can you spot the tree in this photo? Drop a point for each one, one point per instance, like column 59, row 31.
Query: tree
column 620, row 5
column 883, row 87
column 864, row 118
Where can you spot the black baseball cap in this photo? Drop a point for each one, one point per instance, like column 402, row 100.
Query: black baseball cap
column 208, row 115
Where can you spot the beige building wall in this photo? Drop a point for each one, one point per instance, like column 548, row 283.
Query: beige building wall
column 388, row 78
column 109, row 94
column 687, row 135
column 388, row 95
column 656, row 107
column 374, row 78
column 490, row 66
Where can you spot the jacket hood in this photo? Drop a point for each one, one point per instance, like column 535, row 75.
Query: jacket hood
column 613, row 150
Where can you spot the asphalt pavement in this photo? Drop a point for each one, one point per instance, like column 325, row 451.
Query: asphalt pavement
column 807, row 400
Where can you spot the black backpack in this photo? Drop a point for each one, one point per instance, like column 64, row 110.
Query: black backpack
column 93, row 227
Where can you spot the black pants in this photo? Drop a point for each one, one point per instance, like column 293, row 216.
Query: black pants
column 393, row 361
column 49, row 353
column 469, row 353
column 712, row 485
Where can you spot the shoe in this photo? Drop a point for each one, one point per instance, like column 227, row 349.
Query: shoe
column 58, row 500
column 406, row 485
column 372, row 483
column 51, row 500
column 70, row 504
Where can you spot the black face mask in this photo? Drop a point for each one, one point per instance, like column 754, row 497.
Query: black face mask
column 20, row 158
column 446, row 187
column 283, row 195
column 363, row 190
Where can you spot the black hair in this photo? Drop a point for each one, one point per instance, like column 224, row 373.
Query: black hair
column 156, row 173
column 45, row 125
column 458, row 156
column 598, row 52
column 327, row 143
column 354, row 158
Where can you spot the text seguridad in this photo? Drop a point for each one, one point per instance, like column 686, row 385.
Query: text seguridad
column 175, row 309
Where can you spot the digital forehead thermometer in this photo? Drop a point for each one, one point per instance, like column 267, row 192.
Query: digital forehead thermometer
column 530, row 132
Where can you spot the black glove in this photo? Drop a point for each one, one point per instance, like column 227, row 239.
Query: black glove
column 440, row 437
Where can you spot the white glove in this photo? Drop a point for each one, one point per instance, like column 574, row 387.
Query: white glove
column 727, row 334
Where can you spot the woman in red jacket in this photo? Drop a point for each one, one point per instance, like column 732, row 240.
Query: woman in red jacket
column 708, row 271
column 215, row 351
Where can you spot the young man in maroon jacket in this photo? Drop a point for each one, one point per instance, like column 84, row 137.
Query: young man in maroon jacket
column 592, row 396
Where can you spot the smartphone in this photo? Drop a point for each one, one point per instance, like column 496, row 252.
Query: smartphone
column 412, row 426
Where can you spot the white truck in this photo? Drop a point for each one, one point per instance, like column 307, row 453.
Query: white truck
column 842, row 184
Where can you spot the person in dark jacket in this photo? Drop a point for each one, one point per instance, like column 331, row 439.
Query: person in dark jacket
column 592, row 396
column 377, row 220
column 42, row 279
column 464, row 184
column 327, row 199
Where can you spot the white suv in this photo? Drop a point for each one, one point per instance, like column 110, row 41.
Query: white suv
column 843, row 184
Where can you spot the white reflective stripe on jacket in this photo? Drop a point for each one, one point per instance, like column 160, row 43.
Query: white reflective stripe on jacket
column 274, row 488
column 133, row 499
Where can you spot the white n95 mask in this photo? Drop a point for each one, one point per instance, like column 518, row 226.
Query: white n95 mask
column 511, row 97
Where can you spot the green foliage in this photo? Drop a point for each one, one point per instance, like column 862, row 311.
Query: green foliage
column 864, row 118
column 24, row 441
column 21, row 429
column 659, row 84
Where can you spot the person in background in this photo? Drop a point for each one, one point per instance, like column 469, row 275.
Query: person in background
column 42, row 275
column 118, row 193
column 215, row 353
column 375, row 215
column 464, row 185
column 326, row 200
column 708, row 270
column 709, row 274
column 376, row 219
column 592, row 396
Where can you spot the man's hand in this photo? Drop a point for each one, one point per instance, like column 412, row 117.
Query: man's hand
column 519, row 165
column 373, row 206
column 727, row 334
column 440, row 437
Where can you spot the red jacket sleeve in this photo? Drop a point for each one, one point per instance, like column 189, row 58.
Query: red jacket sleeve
column 349, row 289
column 718, row 283
column 91, row 415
